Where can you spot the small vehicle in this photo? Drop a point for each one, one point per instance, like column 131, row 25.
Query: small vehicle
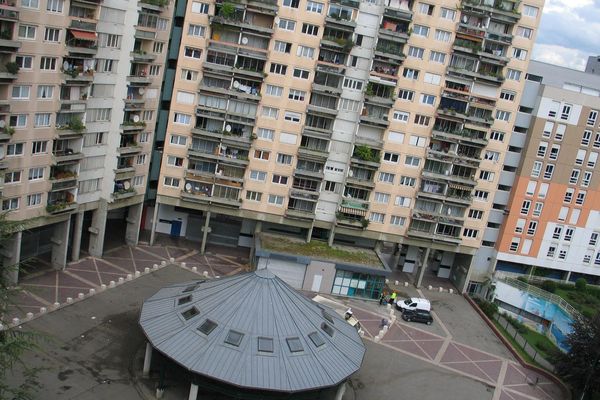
column 413, row 303
column 417, row 316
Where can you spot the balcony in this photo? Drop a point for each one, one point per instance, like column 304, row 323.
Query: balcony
column 252, row 22
column 81, row 42
column 375, row 116
column 402, row 12
column 157, row 5
column 82, row 25
column 340, row 17
column 497, row 10
column 390, row 51
column 465, row 135
column 67, row 156
column 499, row 37
column 9, row 13
column 142, row 56
column 129, row 126
column 212, row 193
column 122, row 193
column 77, row 76
column 64, row 183
column 432, row 235
column 379, row 94
column 472, row 31
column 7, row 44
column 59, row 207
column 394, row 31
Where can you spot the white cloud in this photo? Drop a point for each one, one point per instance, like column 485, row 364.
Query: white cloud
column 558, row 55
column 565, row 6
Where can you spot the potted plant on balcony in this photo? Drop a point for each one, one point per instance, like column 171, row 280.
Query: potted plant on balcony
column 76, row 124
column 12, row 67
column 227, row 10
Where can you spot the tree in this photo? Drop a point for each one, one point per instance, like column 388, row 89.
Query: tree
column 14, row 343
column 580, row 367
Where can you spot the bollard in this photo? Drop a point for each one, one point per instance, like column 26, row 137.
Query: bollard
column 396, row 283
column 183, row 265
column 376, row 339
column 137, row 274
column 441, row 289
column 43, row 310
column 162, row 263
column 56, row 305
column 388, row 306
column 217, row 277
column 146, row 270
column 69, row 300
column 205, row 273
column 171, row 260
column 387, row 281
column 381, row 332
column 80, row 296
column 111, row 284
column 121, row 280
column 103, row 287
column 405, row 284
column 16, row 321
column 450, row 291
column 92, row 292
column 155, row 266
column 385, row 328
column 159, row 393
column 429, row 287
column 393, row 318
column 29, row 315
column 194, row 269
column 129, row 277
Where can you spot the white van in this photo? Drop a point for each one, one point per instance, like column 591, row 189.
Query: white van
column 414, row 303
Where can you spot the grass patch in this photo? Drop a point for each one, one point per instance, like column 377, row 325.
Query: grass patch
column 541, row 343
column 585, row 302
column 317, row 249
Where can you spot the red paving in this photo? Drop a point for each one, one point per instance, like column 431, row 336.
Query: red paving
column 50, row 286
column 517, row 383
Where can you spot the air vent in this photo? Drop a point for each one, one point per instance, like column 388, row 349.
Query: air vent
column 207, row 327
column 294, row 344
column 190, row 313
column 265, row 344
column 234, row 338
column 316, row 339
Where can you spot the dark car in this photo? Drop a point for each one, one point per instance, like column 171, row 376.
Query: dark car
column 418, row 316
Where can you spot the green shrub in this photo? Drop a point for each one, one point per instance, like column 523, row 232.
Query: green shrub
column 580, row 284
column 523, row 279
column 12, row 67
column 488, row 308
column 549, row 286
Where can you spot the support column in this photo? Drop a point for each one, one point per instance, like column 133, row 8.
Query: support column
column 340, row 391
column 134, row 219
column 147, row 360
column 154, row 221
column 309, row 234
column 60, row 242
column 193, row 392
column 331, row 235
column 11, row 257
column 423, row 267
column 98, row 229
column 205, row 231
column 396, row 255
column 77, row 231
column 568, row 276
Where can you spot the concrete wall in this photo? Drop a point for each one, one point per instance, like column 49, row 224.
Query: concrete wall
column 325, row 270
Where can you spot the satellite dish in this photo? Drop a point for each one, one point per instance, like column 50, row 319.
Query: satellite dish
column 141, row 90
column 136, row 118
column 2, row 123
column 188, row 187
column 350, row 173
column 66, row 65
column 465, row 19
column 236, row 84
column 126, row 185
column 228, row 128
column 244, row 40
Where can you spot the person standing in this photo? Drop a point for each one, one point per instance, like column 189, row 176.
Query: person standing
column 393, row 297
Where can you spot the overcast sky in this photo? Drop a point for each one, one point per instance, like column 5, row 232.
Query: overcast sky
column 569, row 33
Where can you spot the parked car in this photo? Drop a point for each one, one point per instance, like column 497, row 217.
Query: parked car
column 418, row 316
column 413, row 303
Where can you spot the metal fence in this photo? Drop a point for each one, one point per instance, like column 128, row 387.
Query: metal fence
column 526, row 346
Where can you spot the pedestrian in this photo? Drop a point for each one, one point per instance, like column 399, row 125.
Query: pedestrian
column 393, row 297
column 382, row 298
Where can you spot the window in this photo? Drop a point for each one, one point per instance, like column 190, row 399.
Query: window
column 109, row 40
column 562, row 254
column 297, row 95
column 106, row 65
column 585, row 139
column 330, row 186
column 422, row 120
column 279, row 179
column 551, row 251
column 420, row 30
column 48, row 63
column 301, row 73
column 568, row 234
column 437, row 57
column 196, row 30
column 386, row 177
column 284, row 159
column 259, row 176
column 313, row 6
column 12, row 177
column 433, row 79
column 526, row 33
column 292, row 117
column 592, row 117
column 353, row 84
column 475, row 214
column 525, row 207
column 10, row 204
column 18, row 121
column 486, row 175
column 140, row 159
column 596, row 144
column 407, row 95
column 502, row 115
column 286, row 24
column 531, row 228
column 34, row 199
column 442, row 36
column 306, row 52
column 580, row 157
column 560, row 131
column 178, row 140
column 548, row 171
column 376, row 217
column 269, row 112
column 519, row 54
column 291, row 3
column 447, row 13
column 282, row 47
column 425, row 8
column 138, row 180
column 542, row 147
column 27, row 31
column 410, row 73
column 507, row 95
column 41, row 120
column 192, row 52
column 20, row 92
column 273, row 90
column 24, row 62
column 428, row 99
column 391, row 157
column 587, row 178
column 279, row 69
column 402, row 201
column 407, row 181
column 530, row 11
column 253, row 196
column 30, row 3
column 569, row 195
column 412, row 161
column 199, row 8
column 349, row 105
column 310, row 29
column 513, row 75
column 416, row 52
column 497, row 136
column 418, row 141
column 537, row 209
column 397, row 220
column 276, row 200
column 592, row 159
column 265, row 134
column 566, row 111
column 52, row 35
column 594, row 238
column 562, row 214
column 396, row 137
column 401, row 116
column 36, row 173
column 173, row 182
column 470, row 233
column 481, row 195
column 574, row 176
column 262, row 154
column 554, row 151
column 557, row 232
column 45, row 91
column 382, row 198
column 520, row 225
column 580, row 197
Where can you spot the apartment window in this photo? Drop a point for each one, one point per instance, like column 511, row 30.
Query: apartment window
column 420, row 30
column 548, row 171
column 109, row 40
column 291, row 3
column 481, row 195
column 18, row 121
column 569, row 195
column 532, row 227
column 447, row 13
column 265, row 134
column 402, row 201
column 470, row 233
column 30, row 4
column 138, row 180
column 437, row 57
column 41, row 120
column 397, row 220
column 140, row 159
column 391, row 157
column 497, row 136
column 407, row 181
column 507, row 95
column 422, row 120
column 183, row 119
column 292, row 117
column 20, row 92
column 306, row 52
column 301, row 73
column 587, row 178
column 94, row 139
column 569, row 232
column 412, row 161
column 536, row 169
column 425, row 8
column 48, row 63
column 386, row 177
column 279, row 179
column 574, row 176
column 172, row 182
column 382, row 198
column 580, row 197
column 376, row 217
column 410, row 73
column 14, row 149
column 537, row 209
column 259, row 176
column 349, row 105
column 273, row 90
column 330, row 187
column 279, row 69
column 144, row 137
column 98, row 114
column 566, row 111
column 596, row 144
column 525, row 207
column 189, row 75
column 560, row 131
column 526, row 33
column 276, row 200
column 12, row 177
column 262, row 154
column 396, row 137
column 475, row 214
column 36, row 173
column 418, row 141
column 269, row 112
column 554, row 152
column 192, row 52
column 313, row 6
column 594, row 238
column 442, row 36
column 551, row 251
column 407, row 95
column 287, row 24
column 284, row 159
column 34, row 200
column 530, row 11
column 107, row 65
column 531, row 188
column 519, row 54
column 416, row 52
column 486, row 175
column 592, row 117
column 199, row 8
column 24, row 62
column 27, row 32
column 520, row 225
column 55, row 6
column 253, row 196
column 45, row 92
column 562, row 214
column 196, row 30
column 502, row 115
column 587, row 257
column 52, row 35
column 513, row 75
column 178, row 140
column 557, row 232
column 353, row 84
column 433, row 79
column 592, row 159
column 542, row 148
column 562, row 254
column 310, row 29
column 297, row 95
column 10, row 204
column 401, row 116
column 282, row 47
column 428, row 99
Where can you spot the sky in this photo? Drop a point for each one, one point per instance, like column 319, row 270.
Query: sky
column 568, row 33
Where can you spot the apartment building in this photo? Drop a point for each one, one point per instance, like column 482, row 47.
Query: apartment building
column 549, row 222
column 363, row 123
column 80, row 85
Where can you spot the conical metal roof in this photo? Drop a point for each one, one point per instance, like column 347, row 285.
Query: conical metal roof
column 254, row 331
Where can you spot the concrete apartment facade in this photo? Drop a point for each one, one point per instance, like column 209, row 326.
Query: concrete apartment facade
column 80, row 92
column 551, row 219
column 361, row 123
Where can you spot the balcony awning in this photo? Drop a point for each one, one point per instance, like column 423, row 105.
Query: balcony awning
column 459, row 187
column 353, row 211
column 83, row 35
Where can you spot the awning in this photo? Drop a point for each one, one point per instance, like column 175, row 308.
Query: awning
column 459, row 187
column 83, row 35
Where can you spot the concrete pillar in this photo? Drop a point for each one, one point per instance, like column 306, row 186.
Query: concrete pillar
column 309, row 234
column 11, row 257
column 154, row 222
column 134, row 219
column 423, row 267
column 205, row 231
column 77, row 228
column 98, row 229
column 147, row 360
column 396, row 255
column 60, row 242
column 568, row 276
column 257, row 228
column 193, row 392
column 378, row 245
column 465, row 286
column 340, row 391
column 331, row 235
